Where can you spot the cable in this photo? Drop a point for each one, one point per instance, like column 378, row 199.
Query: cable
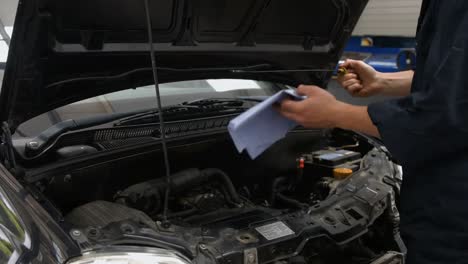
column 284, row 71
column 248, row 69
column 165, row 222
column 124, row 74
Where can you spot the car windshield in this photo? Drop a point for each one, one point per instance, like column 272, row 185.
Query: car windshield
column 145, row 98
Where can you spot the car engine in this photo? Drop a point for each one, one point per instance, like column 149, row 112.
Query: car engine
column 333, row 204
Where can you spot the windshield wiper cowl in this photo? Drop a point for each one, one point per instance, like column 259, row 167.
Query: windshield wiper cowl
column 40, row 143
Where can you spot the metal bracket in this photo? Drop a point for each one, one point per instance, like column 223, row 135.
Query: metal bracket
column 80, row 238
column 250, row 256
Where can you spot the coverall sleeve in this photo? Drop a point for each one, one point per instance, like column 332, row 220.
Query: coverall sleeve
column 433, row 121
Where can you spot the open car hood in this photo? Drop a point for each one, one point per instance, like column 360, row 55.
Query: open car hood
column 59, row 47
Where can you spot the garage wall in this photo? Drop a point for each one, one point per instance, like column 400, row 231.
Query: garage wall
column 8, row 11
column 389, row 18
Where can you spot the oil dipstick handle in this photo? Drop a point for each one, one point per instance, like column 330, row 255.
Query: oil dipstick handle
column 342, row 71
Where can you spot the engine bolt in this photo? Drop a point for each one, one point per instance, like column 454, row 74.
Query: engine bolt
column 67, row 178
column 76, row 233
column 166, row 224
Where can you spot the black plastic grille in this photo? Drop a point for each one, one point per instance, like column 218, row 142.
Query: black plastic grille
column 114, row 144
column 111, row 134
column 111, row 138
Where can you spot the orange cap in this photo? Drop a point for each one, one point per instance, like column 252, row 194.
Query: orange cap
column 342, row 173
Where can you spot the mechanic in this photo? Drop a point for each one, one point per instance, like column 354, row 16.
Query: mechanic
column 425, row 129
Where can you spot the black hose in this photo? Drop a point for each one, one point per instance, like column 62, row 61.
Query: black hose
column 227, row 196
column 190, row 178
column 289, row 201
column 276, row 195
column 226, row 182
column 274, row 189
column 141, row 196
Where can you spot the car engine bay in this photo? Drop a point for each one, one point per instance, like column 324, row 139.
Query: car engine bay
column 317, row 196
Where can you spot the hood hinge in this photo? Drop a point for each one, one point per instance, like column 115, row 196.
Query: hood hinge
column 7, row 153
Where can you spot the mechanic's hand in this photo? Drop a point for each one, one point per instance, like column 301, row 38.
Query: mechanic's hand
column 361, row 80
column 314, row 112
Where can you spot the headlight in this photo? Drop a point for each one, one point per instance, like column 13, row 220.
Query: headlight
column 130, row 255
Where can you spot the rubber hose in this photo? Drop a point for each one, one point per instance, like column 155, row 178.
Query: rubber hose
column 290, row 201
column 226, row 182
column 192, row 177
column 274, row 189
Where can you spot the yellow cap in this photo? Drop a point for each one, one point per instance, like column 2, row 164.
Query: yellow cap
column 342, row 71
column 342, row 173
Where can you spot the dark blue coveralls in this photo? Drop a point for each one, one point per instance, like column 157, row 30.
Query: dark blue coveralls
column 427, row 132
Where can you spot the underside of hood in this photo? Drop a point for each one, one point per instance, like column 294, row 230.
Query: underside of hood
column 65, row 51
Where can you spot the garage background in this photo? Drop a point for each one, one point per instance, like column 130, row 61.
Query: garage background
column 389, row 18
column 383, row 18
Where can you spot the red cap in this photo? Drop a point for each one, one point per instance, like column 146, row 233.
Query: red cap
column 301, row 163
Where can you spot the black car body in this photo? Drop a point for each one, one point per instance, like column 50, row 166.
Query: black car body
column 94, row 191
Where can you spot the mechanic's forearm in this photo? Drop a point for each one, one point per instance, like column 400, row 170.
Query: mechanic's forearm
column 352, row 117
column 397, row 83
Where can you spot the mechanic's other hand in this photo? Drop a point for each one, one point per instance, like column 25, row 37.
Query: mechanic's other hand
column 361, row 80
column 314, row 112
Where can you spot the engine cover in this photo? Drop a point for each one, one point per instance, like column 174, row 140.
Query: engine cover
column 102, row 213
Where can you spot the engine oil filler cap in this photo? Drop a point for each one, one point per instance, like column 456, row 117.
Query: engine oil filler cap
column 342, row 173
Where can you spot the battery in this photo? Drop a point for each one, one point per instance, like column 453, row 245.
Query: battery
column 334, row 158
column 321, row 163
